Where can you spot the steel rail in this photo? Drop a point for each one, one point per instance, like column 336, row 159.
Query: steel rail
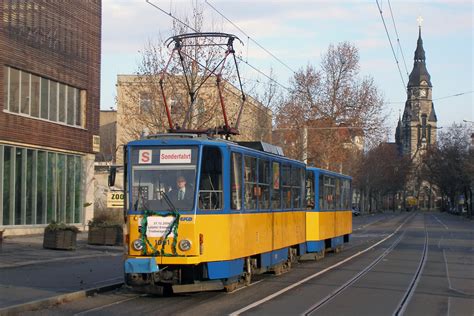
column 359, row 275
column 296, row 284
column 416, row 278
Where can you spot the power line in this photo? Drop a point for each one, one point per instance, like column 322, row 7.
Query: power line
column 390, row 41
column 239, row 58
column 398, row 38
column 250, row 38
column 440, row 98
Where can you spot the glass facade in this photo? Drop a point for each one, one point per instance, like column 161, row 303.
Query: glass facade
column 39, row 186
column 37, row 97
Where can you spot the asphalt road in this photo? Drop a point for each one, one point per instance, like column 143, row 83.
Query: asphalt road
column 406, row 264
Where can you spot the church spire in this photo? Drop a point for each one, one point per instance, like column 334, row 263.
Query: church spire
column 419, row 52
column 419, row 72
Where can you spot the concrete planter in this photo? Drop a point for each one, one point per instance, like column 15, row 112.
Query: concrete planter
column 59, row 239
column 105, row 235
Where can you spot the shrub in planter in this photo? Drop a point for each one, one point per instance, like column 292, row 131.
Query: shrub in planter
column 104, row 232
column 60, row 236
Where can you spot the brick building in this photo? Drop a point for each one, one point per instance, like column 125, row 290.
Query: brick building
column 49, row 112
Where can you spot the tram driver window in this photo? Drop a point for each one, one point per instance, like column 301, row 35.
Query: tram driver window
column 210, row 184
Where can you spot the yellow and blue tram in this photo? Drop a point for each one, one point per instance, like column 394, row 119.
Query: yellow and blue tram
column 247, row 211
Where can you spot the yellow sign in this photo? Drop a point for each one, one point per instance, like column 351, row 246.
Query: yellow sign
column 115, row 199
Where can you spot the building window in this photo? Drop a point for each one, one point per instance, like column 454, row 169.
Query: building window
column 34, row 96
column 145, row 102
column 38, row 187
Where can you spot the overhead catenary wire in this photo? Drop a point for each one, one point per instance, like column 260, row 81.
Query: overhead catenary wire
column 398, row 38
column 250, row 38
column 239, row 58
column 440, row 98
column 391, row 45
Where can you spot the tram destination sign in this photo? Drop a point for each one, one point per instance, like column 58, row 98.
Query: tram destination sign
column 175, row 156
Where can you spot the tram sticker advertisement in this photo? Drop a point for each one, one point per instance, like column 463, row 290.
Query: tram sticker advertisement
column 276, row 176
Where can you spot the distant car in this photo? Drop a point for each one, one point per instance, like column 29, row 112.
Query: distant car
column 355, row 211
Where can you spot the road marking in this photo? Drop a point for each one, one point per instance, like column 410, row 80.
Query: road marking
column 449, row 306
column 368, row 224
column 449, row 279
column 244, row 287
column 439, row 242
column 108, row 305
column 286, row 289
column 445, row 227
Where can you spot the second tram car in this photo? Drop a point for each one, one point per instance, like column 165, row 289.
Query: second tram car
column 207, row 214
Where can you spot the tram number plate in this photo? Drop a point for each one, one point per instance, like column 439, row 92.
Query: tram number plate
column 158, row 226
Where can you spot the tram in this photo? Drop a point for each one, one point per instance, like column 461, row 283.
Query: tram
column 246, row 209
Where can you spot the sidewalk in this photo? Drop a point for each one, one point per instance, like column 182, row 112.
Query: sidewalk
column 31, row 276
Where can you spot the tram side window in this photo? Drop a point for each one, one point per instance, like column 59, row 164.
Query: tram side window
column 236, row 181
column 322, row 199
column 210, row 185
column 251, row 189
column 309, row 190
column 286, row 185
column 296, row 185
column 337, row 200
column 329, row 193
column 276, row 192
column 264, row 179
column 346, row 194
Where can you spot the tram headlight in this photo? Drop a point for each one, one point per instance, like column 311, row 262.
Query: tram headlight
column 184, row 244
column 137, row 245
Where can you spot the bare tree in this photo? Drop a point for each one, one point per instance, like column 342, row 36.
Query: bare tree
column 382, row 174
column 193, row 100
column 449, row 166
column 330, row 99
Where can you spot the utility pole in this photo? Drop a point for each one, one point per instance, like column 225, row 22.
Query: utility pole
column 304, row 137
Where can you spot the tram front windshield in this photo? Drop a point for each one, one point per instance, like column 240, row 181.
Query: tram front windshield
column 159, row 183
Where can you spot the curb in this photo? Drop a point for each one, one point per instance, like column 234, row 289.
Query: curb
column 50, row 301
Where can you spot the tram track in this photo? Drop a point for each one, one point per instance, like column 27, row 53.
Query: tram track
column 314, row 308
column 402, row 305
column 416, row 278
column 350, row 282
column 305, row 280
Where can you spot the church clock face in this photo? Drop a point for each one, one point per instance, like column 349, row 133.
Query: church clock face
column 423, row 93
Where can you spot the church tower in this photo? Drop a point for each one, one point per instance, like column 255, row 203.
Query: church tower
column 417, row 129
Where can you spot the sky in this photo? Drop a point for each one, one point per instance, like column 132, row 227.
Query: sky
column 300, row 32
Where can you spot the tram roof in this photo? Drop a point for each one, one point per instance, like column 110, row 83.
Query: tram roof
column 329, row 172
column 174, row 139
